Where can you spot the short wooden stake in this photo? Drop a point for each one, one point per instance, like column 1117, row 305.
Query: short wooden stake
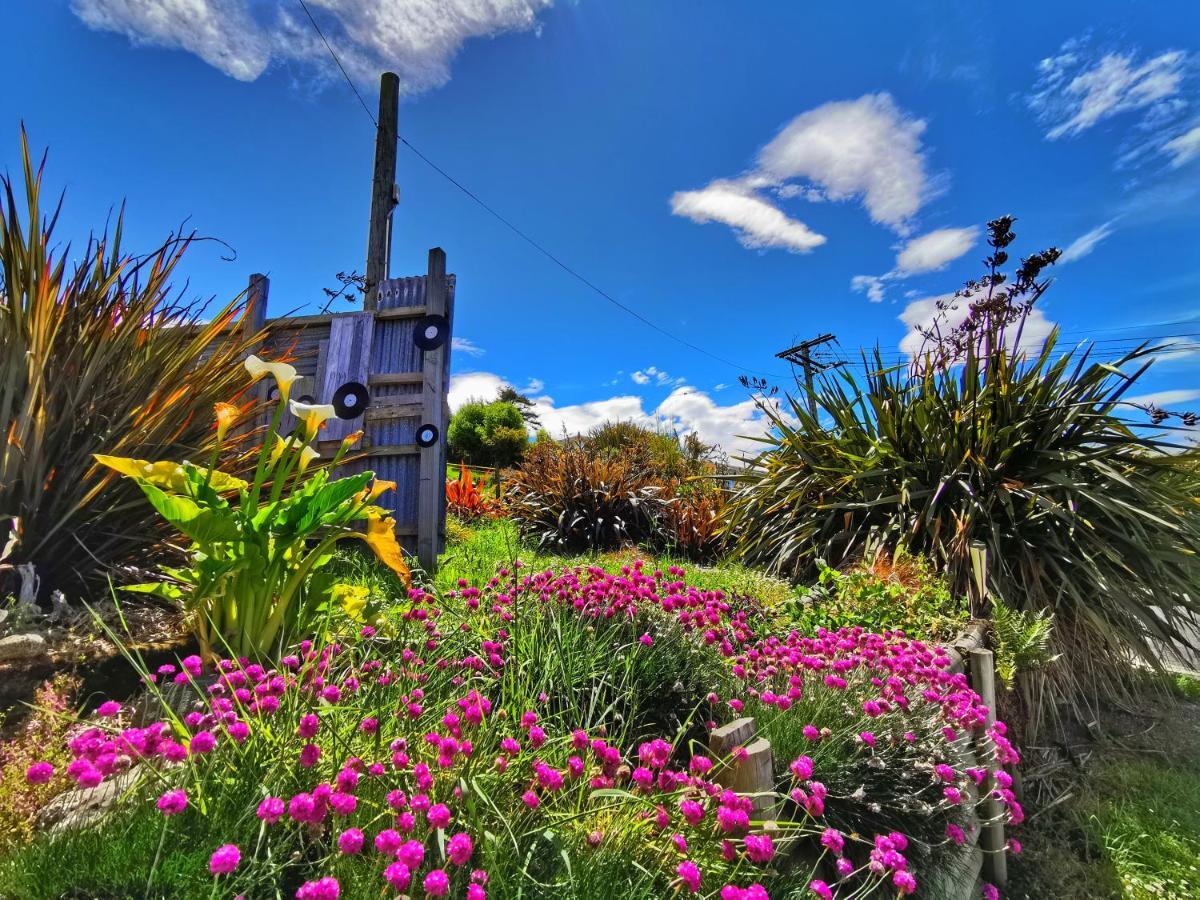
column 752, row 776
column 991, row 836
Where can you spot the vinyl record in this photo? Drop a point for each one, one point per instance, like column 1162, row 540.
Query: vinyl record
column 306, row 398
column 350, row 400
column 431, row 332
column 427, row 435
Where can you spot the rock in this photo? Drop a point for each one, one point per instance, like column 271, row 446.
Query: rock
column 85, row 806
column 22, row 646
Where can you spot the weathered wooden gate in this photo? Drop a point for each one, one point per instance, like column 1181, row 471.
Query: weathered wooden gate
column 372, row 366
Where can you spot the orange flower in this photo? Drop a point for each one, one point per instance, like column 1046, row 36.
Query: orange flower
column 227, row 415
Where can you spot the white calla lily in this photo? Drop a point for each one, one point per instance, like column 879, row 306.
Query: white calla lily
column 283, row 374
column 307, row 455
column 311, row 414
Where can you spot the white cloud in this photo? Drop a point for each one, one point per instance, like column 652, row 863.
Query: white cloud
column 1165, row 398
column 467, row 346
column 866, row 148
column 1184, row 148
column 1085, row 243
column 927, row 253
column 653, row 375
column 873, row 286
column 684, row 410
column 935, row 250
column 417, row 39
column 1078, row 89
column 927, row 314
column 758, row 223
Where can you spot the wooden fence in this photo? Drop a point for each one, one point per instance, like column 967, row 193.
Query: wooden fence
column 403, row 411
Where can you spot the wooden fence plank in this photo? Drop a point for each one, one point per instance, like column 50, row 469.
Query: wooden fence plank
column 346, row 359
column 431, row 497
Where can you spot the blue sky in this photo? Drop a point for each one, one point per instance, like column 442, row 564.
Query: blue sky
column 741, row 174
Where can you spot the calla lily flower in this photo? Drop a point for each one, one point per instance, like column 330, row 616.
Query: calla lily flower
column 313, row 415
column 307, row 455
column 378, row 486
column 283, row 374
column 281, row 444
column 227, row 415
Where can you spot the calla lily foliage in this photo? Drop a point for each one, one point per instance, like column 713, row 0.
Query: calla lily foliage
column 254, row 545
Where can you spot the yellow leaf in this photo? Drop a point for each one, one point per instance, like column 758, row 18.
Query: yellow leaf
column 381, row 538
column 169, row 476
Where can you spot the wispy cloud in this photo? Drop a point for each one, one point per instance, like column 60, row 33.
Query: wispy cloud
column 1166, row 398
column 942, row 313
column 1184, row 148
column 867, row 150
column 654, row 375
column 417, row 39
column 467, row 346
column 1085, row 243
column 930, row 252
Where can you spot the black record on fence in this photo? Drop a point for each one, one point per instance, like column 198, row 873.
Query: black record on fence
column 351, row 400
column 427, row 435
column 431, row 332
column 306, row 398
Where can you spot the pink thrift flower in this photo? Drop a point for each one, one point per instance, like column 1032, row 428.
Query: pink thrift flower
column 990, row 892
column 39, row 773
column 476, row 892
column 802, row 767
column 398, row 875
column 388, row 841
column 833, row 841
column 436, row 883
column 438, row 815
column 202, row 742
column 270, row 810
column 821, row 889
column 689, row 875
column 411, row 854
column 172, row 802
column 904, row 882
column 646, row 640
column 326, row 888
column 309, row 755
column 530, row 799
column 350, row 841
column 309, row 726
column 459, row 849
column 225, row 859
column 867, row 738
column 108, row 709
column 759, row 848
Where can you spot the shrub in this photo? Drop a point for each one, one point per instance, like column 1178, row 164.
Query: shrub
column 660, row 452
column 488, row 434
column 888, row 593
column 1083, row 512
column 568, row 499
column 100, row 358
column 464, row 495
column 691, row 521
column 40, row 738
column 255, row 546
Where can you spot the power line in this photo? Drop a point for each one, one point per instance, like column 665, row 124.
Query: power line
column 516, row 230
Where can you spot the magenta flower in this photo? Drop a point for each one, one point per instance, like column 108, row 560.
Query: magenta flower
column 388, row 842
column 530, row 799
column 108, row 709
column 867, row 738
column 438, row 815
column 476, row 892
column 309, row 726
column 326, row 888
column 398, row 875
column 689, row 875
column 225, row 859
column 990, row 891
column 459, row 848
column 270, row 810
column 802, row 767
column 412, row 854
column 436, row 883
column 646, row 640
column 173, row 802
column 821, row 889
column 39, row 773
column 309, row 754
column 760, row 848
column 350, row 841
column 833, row 841
column 202, row 742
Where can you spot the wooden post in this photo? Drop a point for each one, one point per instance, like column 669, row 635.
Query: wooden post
column 752, row 776
column 431, row 497
column 383, row 185
column 991, row 834
column 253, row 322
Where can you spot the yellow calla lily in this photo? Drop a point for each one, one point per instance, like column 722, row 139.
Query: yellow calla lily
column 283, row 374
column 313, row 415
column 167, row 475
column 307, row 455
column 378, row 486
column 381, row 538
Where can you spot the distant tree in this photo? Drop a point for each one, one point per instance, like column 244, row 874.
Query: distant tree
column 509, row 394
column 488, row 434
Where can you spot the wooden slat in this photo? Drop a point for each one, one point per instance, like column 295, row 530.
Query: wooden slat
column 401, row 312
column 395, row 378
column 431, row 489
column 393, row 408
column 346, row 358
column 393, row 450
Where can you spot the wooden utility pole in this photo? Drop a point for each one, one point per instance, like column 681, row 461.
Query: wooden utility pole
column 801, row 355
column 383, row 188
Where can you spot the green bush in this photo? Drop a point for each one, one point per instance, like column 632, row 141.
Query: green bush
column 1084, row 512
column 902, row 593
column 488, row 434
